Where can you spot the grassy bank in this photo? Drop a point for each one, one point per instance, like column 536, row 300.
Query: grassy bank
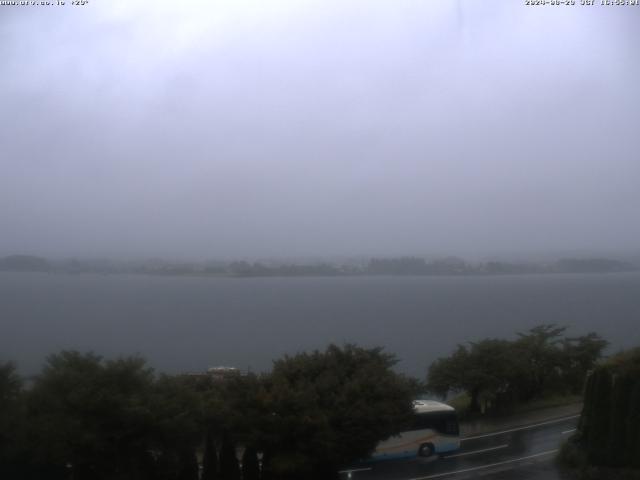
column 462, row 402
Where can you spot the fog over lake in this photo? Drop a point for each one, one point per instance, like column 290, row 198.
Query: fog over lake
column 319, row 128
column 191, row 323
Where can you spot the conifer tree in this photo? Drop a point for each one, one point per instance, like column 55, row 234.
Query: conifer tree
column 229, row 467
column 617, row 441
column 210, row 459
column 250, row 467
column 633, row 427
column 599, row 421
column 188, row 465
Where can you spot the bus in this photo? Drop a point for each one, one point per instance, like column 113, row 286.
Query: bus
column 434, row 431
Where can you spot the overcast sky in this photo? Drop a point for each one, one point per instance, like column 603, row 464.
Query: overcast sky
column 230, row 128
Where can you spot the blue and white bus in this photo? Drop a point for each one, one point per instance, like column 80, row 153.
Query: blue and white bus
column 434, row 431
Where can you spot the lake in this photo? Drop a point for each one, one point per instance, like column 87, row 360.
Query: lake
column 191, row 323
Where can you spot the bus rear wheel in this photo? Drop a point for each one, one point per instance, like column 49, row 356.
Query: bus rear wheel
column 426, row 450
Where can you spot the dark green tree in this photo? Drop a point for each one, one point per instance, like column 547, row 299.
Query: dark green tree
column 578, row 356
column 617, row 445
column 229, row 466
column 633, row 428
column 330, row 408
column 188, row 465
column 498, row 374
column 210, row 458
column 12, row 423
column 596, row 425
column 90, row 416
column 178, row 422
column 250, row 466
column 610, row 420
column 539, row 349
column 169, row 465
column 486, row 371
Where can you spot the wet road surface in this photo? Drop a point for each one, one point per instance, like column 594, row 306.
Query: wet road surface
column 523, row 453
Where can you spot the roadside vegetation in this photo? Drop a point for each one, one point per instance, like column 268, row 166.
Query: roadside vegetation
column 541, row 367
column 607, row 441
column 84, row 417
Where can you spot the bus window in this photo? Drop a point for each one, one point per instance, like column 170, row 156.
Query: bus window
column 442, row 422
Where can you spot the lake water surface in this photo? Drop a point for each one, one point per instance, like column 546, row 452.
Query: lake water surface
column 191, row 323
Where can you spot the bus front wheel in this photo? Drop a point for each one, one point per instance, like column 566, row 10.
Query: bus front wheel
column 426, row 450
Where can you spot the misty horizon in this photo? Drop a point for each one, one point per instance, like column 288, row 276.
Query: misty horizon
column 526, row 257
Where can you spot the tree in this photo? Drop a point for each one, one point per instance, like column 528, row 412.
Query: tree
column 599, row 422
column 91, row 416
column 579, row 355
column 610, row 420
column 497, row 374
column 633, row 428
column 234, row 413
column 333, row 407
column 188, row 464
column 250, row 466
column 10, row 386
column 622, row 390
column 210, row 458
column 12, row 422
column 229, row 467
column 539, row 350
column 178, row 423
column 485, row 370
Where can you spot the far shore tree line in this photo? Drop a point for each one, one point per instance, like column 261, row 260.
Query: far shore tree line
column 374, row 266
column 84, row 417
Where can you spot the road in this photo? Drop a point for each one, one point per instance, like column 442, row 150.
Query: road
column 525, row 452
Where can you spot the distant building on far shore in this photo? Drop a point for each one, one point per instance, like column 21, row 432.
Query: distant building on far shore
column 216, row 373
column 220, row 373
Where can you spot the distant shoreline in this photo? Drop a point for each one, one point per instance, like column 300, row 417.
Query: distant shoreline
column 394, row 266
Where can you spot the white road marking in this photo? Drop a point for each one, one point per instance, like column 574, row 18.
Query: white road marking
column 355, row 470
column 558, row 420
column 568, row 431
column 477, row 451
column 465, row 470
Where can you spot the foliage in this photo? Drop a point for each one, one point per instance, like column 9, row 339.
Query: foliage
column 578, row 356
column 250, row 465
column 209, row 459
column 332, row 407
column 177, row 414
column 229, row 466
column 85, row 417
column 483, row 370
column 499, row 374
column 571, row 455
column 91, row 416
column 236, row 407
column 609, row 431
column 11, row 419
column 94, row 419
